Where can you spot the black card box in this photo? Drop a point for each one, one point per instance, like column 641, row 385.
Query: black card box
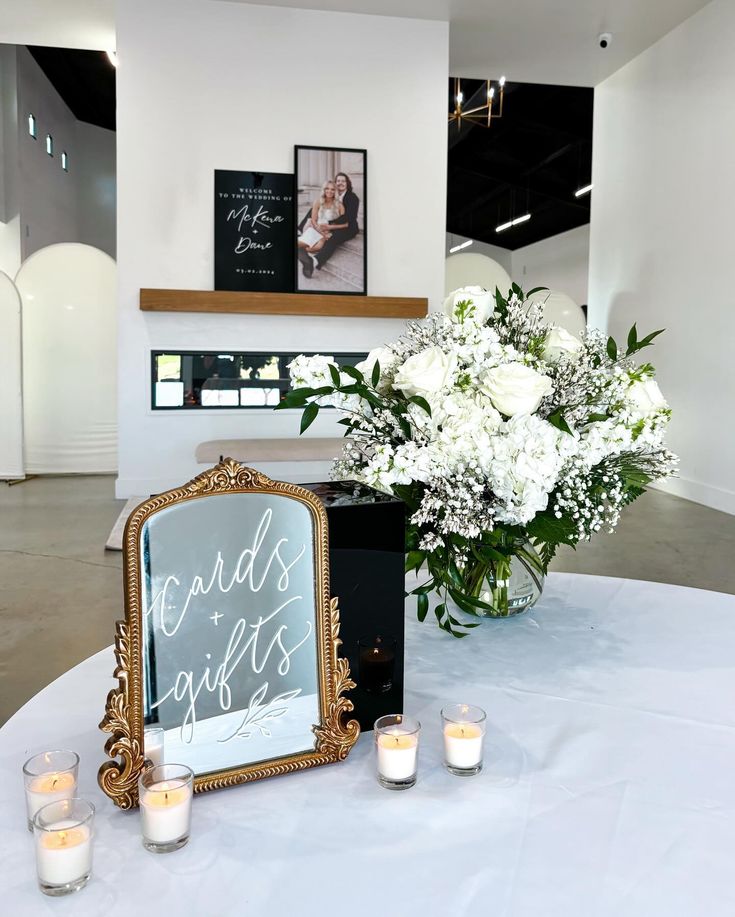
column 367, row 558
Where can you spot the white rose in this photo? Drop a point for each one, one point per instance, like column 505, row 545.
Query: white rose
column 515, row 389
column 427, row 371
column 481, row 304
column 382, row 355
column 646, row 397
column 559, row 342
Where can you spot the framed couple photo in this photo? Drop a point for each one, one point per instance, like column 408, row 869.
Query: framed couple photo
column 331, row 220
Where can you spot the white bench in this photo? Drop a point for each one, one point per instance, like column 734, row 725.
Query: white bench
column 288, row 449
column 298, row 460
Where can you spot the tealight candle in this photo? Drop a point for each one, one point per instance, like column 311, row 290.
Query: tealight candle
column 464, row 733
column 153, row 744
column 165, row 793
column 49, row 777
column 63, row 835
column 377, row 661
column 397, row 743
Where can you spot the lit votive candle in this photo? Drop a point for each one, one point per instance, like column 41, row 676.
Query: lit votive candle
column 464, row 734
column 63, row 835
column 377, row 662
column 165, row 793
column 397, row 744
column 153, row 737
column 49, row 777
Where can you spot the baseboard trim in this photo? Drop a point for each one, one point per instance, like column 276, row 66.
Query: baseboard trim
column 714, row 497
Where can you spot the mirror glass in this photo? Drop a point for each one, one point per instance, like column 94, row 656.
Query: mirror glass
column 230, row 664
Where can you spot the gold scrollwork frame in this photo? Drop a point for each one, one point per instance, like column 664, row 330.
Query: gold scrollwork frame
column 123, row 719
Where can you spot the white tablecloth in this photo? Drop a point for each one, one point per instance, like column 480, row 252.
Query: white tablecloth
column 609, row 786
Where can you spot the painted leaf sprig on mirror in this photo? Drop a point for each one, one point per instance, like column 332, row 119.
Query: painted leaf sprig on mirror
column 498, row 430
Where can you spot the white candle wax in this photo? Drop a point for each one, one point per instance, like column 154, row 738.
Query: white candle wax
column 46, row 788
column 397, row 754
column 463, row 744
column 165, row 811
column 63, row 853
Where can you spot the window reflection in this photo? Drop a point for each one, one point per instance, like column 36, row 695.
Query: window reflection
column 193, row 380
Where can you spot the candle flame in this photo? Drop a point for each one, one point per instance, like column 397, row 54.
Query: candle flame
column 62, row 838
column 54, row 781
column 375, row 651
column 165, row 797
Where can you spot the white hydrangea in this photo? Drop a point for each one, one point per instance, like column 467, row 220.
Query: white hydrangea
column 570, row 415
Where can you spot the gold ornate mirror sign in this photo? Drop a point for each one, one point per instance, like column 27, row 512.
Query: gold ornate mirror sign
column 229, row 644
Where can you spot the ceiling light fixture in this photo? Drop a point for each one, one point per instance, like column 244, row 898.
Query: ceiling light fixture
column 522, row 219
column 481, row 114
column 112, row 57
column 460, row 247
column 585, row 190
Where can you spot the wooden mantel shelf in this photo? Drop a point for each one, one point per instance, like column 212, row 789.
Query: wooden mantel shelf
column 283, row 303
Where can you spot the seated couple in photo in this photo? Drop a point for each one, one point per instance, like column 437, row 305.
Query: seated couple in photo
column 331, row 221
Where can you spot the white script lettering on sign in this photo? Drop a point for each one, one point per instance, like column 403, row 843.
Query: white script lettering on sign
column 229, row 627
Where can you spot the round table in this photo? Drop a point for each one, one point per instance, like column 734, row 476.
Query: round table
column 608, row 789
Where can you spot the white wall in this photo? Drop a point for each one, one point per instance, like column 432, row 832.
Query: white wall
column 48, row 195
column 208, row 85
column 9, row 169
column 93, row 167
column 560, row 263
column 503, row 256
column 661, row 242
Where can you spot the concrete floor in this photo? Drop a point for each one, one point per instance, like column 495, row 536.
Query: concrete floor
column 60, row 591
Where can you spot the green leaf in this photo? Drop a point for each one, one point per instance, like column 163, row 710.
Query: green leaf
column 414, row 559
column 354, row 372
column 334, row 373
column 421, row 402
column 422, row 607
column 535, row 290
column 551, row 530
column 597, row 418
column 612, row 349
column 557, row 420
column 309, row 416
column 375, row 378
column 648, row 338
column 632, row 340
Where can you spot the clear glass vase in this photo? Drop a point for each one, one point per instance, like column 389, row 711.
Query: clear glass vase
column 508, row 587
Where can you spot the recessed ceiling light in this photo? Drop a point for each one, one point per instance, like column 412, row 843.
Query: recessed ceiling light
column 585, row 190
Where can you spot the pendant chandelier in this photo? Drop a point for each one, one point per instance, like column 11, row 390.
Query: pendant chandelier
column 490, row 110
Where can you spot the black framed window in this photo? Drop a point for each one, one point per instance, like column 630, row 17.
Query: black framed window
column 196, row 380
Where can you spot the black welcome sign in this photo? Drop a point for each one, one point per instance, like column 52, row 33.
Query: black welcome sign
column 253, row 231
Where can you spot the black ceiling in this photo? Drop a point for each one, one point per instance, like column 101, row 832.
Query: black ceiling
column 85, row 80
column 532, row 160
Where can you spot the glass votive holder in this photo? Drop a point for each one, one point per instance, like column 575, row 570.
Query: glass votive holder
column 165, row 793
column 397, row 746
column 49, row 777
column 376, row 663
column 63, row 833
column 464, row 734
column 153, row 739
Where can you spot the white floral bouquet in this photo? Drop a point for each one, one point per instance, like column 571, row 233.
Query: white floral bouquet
column 504, row 435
